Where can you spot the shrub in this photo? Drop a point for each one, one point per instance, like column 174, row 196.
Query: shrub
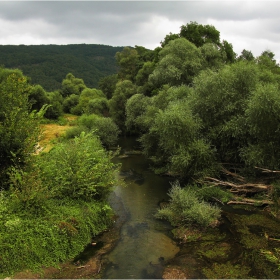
column 79, row 169
column 186, row 208
column 55, row 205
column 75, row 131
column 27, row 193
column 70, row 102
column 105, row 128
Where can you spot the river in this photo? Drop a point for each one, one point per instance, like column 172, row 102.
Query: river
column 145, row 242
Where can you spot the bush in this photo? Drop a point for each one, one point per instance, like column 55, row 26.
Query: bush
column 79, row 169
column 56, row 108
column 104, row 128
column 91, row 101
column 27, row 193
column 70, row 102
column 186, row 208
column 75, row 131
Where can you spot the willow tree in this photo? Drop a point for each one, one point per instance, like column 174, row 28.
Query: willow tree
column 124, row 90
column 179, row 61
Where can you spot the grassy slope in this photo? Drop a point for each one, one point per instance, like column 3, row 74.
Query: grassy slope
column 50, row 132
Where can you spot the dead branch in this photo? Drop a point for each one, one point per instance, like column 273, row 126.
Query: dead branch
column 270, row 238
column 248, row 201
column 218, row 200
column 239, row 188
column 238, row 177
column 265, row 170
column 240, row 202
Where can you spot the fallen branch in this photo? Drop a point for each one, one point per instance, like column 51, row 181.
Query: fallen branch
column 238, row 177
column 239, row 188
column 270, row 238
column 265, row 170
column 248, row 201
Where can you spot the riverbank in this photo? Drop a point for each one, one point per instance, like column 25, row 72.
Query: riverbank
column 89, row 264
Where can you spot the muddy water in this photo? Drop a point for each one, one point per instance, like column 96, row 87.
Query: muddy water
column 144, row 244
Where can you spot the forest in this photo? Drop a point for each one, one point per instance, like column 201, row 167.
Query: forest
column 201, row 113
column 47, row 65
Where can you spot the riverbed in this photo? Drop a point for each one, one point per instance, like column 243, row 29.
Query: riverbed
column 145, row 242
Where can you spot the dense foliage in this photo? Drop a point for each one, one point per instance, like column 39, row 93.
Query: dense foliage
column 19, row 130
column 51, row 204
column 56, row 204
column 103, row 127
column 204, row 110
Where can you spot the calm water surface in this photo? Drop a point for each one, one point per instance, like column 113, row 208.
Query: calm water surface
column 144, row 242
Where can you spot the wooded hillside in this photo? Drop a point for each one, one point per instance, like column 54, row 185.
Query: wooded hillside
column 48, row 65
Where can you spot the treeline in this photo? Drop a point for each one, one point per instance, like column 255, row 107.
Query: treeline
column 201, row 114
column 47, row 65
column 195, row 104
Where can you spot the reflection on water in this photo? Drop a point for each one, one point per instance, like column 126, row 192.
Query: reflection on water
column 144, row 242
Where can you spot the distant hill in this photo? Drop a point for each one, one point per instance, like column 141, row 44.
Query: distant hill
column 48, row 65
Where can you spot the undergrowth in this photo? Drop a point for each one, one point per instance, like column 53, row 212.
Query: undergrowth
column 55, row 205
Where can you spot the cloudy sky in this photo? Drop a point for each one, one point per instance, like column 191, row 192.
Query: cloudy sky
column 250, row 25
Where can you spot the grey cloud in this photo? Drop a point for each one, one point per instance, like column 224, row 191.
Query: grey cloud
column 135, row 22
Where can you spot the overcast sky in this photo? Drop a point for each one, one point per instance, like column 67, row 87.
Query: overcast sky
column 250, row 25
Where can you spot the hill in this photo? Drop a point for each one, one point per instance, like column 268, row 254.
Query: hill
column 48, row 65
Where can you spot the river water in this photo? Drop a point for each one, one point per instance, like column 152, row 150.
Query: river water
column 145, row 242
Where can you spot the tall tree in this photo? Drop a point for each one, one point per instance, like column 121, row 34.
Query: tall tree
column 246, row 55
column 127, row 61
column 179, row 61
column 72, row 85
column 19, row 130
column 200, row 34
column 38, row 97
column 169, row 37
column 124, row 90
column 266, row 61
column 108, row 85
